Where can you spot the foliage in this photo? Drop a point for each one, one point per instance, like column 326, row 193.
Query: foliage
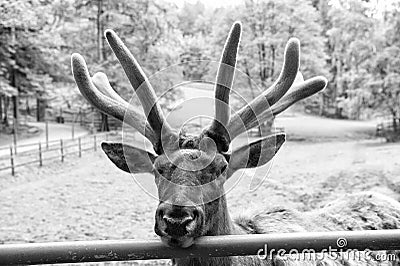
column 352, row 42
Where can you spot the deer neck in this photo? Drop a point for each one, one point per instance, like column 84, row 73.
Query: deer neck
column 220, row 223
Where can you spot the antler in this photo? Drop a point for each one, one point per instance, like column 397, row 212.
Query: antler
column 225, row 75
column 298, row 92
column 109, row 102
column 140, row 83
column 223, row 129
column 243, row 119
column 257, row 111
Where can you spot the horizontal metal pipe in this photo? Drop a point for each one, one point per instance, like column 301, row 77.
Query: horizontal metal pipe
column 210, row 246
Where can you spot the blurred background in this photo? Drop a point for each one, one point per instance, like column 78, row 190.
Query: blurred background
column 354, row 43
column 55, row 184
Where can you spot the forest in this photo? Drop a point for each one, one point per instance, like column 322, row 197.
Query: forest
column 354, row 43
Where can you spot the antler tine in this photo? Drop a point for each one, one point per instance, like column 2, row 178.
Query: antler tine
column 105, row 103
column 241, row 121
column 225, row 76
column 101, row 81
column 288, row 73
column 298, row 92
column 138, row 80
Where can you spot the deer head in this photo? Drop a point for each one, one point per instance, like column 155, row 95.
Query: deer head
column 190, row 171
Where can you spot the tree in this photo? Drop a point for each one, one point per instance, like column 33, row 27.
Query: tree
column 267, row 26
column 384, row 82
column 24, row 49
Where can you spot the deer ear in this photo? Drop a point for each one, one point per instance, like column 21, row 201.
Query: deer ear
column 256, row 153
column 129, row 159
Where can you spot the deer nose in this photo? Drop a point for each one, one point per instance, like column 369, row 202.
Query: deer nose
column 178, row 221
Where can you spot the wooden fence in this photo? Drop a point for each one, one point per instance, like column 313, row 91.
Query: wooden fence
column 389, row 129
column 209, row 246
column 43, row 152
column 89, row 118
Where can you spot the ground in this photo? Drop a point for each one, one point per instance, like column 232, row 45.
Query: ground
column 89, row 198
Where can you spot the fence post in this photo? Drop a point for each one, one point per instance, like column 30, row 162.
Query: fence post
column 93, row 117
column 94, row 142
column 80, row 147
column 47, row 135
column 12, row 161
column 80, row 116
column 40, row 154
column 73, row 130
column 15, row 125
column 62, row 150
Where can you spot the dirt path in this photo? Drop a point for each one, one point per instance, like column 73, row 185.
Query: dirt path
column 313, row 128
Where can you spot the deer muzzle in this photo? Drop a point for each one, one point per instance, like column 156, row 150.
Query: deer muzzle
column 179, row 225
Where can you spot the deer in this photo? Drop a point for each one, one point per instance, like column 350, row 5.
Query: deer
column 190, row 170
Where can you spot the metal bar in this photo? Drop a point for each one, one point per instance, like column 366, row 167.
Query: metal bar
column 210, row 246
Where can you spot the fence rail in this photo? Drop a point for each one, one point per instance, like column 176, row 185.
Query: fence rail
column 39, row 153
column 89, row 118
column 211, row 246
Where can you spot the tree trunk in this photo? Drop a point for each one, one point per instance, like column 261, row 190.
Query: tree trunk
column 104, row 123
column 99, row 30
column 15, row 108
column 252, row 96
column 37, row 109
column 394, row 119
column 272, row 61
column 1, row 108
column 6, row 104
column 100, row 54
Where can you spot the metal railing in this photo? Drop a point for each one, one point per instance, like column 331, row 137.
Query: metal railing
column 209, row 246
